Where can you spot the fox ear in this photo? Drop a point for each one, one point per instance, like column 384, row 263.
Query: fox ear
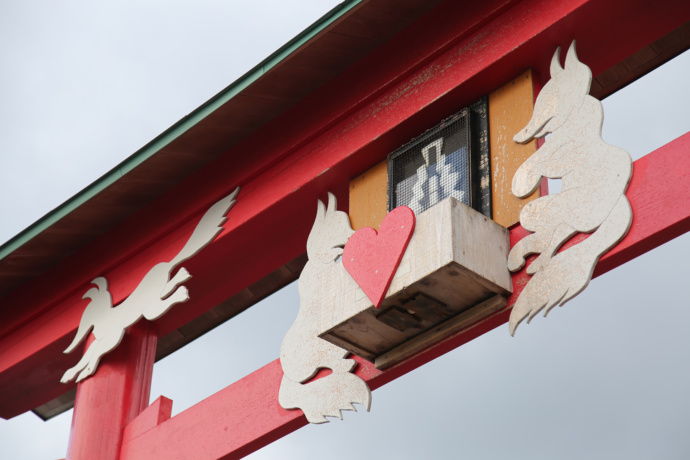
column 556, row 63
column 576, row 67
column 320, row 210
column 332, row 204
column 101, row 282
column 571, row 59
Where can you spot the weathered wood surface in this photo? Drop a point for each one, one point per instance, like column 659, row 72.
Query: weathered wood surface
column 303, row 353
column 452, row 326
column 369, row 197
column 595, row 176
column 510, row 109
column 455, row 260
column 372, row 258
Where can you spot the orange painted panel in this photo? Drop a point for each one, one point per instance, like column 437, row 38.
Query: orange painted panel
column 369, row 197
column 510, row 109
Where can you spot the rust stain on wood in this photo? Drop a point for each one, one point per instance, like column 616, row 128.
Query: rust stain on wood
column 510, row 109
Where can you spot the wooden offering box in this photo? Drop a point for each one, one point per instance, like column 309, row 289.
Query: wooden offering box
column 453, row 274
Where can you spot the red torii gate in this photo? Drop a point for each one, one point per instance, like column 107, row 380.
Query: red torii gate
column 333, row 134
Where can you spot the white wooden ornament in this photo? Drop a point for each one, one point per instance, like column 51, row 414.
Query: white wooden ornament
column 302, row 352
column 156, row 293
column 595, row 176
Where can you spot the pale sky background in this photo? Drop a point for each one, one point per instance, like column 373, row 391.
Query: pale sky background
column 84, row 84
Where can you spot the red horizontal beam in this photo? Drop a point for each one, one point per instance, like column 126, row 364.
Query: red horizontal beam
column 402, row 88
column 336, row 108
column 660, row 197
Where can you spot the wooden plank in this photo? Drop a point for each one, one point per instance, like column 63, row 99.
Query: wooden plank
column 158, row 412
column 641, row 62
column 510, row 109
column 440, row 332
column 369, row 197
column 56, row 406
column 658, row 194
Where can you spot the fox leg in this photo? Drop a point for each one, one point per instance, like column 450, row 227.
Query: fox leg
column 180, row 295
column 534, row 243
column 562, row 233
column 531, row 244
column 69, row 375
column 160, row 306
column 97, row 350
column 180, row 277
column 92, row 364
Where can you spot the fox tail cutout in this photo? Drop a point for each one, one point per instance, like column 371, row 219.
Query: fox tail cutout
column 325, row 397
column 571, row 269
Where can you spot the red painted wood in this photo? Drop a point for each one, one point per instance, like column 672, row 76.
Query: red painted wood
column 158, row 412
column 659, row 194
column 107, row 401
column 372, row 258
column 348, row 125
column 660, row 197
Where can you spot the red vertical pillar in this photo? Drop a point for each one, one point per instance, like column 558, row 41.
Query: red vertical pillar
column 108, row 400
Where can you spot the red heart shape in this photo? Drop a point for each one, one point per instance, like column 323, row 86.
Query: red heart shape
column 372, row 259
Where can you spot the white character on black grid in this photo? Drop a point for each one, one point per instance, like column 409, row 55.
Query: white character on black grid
column 437, row 180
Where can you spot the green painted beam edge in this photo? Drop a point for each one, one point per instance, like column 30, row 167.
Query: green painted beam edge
column 176, row 130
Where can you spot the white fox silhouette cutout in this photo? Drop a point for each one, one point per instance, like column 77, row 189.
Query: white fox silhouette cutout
column 155, row 294
column 595, row 176
column 303, row 353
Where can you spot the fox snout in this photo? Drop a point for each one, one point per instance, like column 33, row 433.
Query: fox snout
column 537, row 127
column 523, row 136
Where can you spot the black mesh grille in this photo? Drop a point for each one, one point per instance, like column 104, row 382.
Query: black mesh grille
column 432, row 167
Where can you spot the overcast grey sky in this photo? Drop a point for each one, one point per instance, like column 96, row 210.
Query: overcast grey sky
column 84, row 85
